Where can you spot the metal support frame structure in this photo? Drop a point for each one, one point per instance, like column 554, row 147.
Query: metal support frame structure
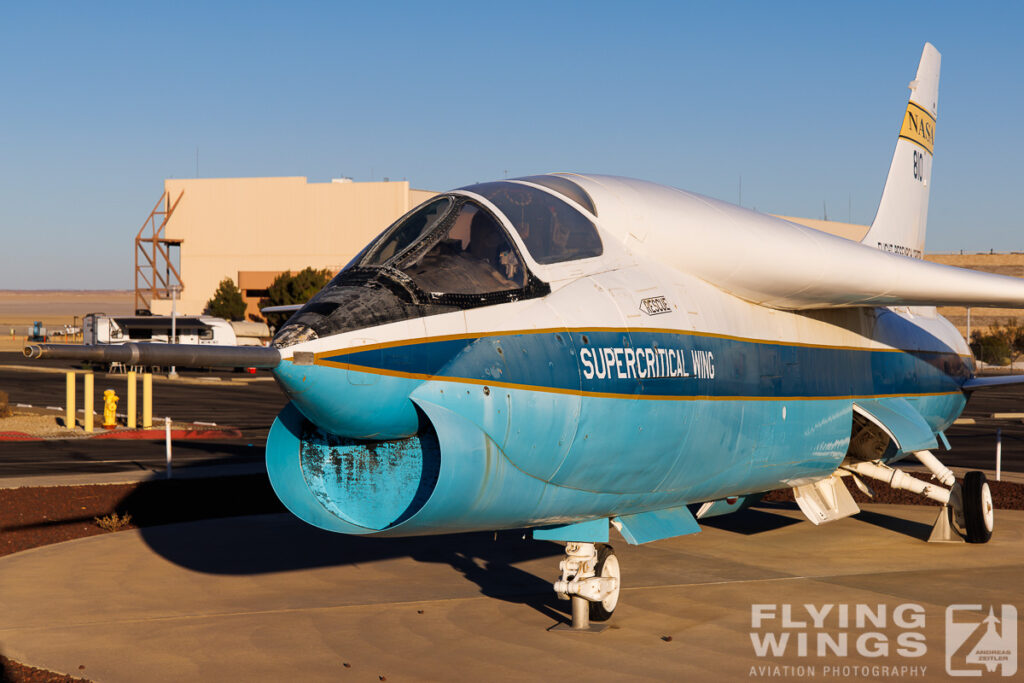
column 155, row 274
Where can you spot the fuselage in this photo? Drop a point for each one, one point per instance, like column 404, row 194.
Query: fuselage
column 625, row 384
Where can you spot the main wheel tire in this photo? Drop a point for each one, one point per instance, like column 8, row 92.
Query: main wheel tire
column 607, row 565
column 979, row 512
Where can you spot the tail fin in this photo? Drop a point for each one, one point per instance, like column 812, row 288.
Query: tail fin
column 899, row 225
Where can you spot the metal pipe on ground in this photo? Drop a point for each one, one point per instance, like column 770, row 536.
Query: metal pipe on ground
column 181, row 355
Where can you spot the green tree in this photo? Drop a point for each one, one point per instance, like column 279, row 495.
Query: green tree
column 227, row 301
column 288, row 288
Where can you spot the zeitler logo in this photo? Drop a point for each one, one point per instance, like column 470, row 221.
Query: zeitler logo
column 980, row 640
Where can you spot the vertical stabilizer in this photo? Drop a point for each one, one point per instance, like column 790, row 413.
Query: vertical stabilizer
column 899, row 225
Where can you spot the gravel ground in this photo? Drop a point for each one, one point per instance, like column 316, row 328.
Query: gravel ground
column 37, row 424
column 49, row 424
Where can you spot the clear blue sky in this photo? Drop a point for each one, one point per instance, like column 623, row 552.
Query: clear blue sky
column 100, row 101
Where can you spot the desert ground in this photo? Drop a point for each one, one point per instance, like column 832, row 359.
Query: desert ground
column 55, row 309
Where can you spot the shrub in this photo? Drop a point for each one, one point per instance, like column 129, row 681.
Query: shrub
column 293, row 289
column 113, row 522
column 227, row 301
column 1002, row 344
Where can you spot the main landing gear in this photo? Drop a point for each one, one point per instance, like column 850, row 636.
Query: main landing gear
column 967, row 510
column 591, row 579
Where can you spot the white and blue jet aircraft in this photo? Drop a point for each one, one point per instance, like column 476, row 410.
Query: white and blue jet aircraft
column 566, row 352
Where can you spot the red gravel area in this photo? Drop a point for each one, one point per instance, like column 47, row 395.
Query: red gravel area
column 16, row 436
column 13, row 672
column 134, row 434
column 31, row 517
column 1005, row 495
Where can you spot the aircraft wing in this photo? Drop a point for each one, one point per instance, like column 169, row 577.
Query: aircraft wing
column 992, row 382
column 283, row 308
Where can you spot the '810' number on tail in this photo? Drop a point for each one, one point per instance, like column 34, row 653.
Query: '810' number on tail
column 919, row 169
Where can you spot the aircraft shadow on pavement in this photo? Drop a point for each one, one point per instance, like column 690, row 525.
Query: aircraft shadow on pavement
column 750, row 521
column 907, row 527
column 260, row 544
column 761, row 519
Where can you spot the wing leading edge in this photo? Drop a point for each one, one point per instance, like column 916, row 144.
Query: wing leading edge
column 780, row 264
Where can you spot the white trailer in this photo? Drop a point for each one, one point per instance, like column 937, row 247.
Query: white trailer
column 99, row 328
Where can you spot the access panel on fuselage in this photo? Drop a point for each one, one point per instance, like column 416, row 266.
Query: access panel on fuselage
column 627, row 440
column 520, row 386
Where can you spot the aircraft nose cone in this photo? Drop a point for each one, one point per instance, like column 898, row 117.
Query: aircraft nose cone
column 349, row 402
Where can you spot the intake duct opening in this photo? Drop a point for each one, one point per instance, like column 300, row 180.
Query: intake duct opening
column 372, row 484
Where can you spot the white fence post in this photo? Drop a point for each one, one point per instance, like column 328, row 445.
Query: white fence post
column 167, row 427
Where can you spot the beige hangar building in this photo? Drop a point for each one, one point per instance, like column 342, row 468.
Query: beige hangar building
column 252, row 229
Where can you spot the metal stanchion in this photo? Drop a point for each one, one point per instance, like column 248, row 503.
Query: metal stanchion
column 999, row 455
column 167, row 427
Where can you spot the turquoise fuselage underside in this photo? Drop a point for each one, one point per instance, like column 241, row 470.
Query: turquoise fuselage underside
column 559, row 426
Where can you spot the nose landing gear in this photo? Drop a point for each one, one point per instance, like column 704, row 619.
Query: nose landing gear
column 591, row 579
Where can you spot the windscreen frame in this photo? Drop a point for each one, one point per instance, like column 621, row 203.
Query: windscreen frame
column 390, row 274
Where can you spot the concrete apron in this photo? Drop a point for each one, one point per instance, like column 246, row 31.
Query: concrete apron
column 268, row 598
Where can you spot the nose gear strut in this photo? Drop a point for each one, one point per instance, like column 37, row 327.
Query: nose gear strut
column 590, row 578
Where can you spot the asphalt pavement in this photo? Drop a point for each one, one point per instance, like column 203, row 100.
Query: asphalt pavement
column 222, row 398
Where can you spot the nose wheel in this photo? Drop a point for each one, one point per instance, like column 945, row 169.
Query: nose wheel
column 591, row 580
column 607, row 568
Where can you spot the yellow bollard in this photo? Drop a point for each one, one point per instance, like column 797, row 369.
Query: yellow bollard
column 147, row 400
column 69, row 418
column 132, row 403
column 88, row 404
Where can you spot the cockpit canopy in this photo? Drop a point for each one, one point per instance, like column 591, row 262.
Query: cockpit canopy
column 453, row 253
column 454, row 245
column 552, row 231
column 451, row 245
